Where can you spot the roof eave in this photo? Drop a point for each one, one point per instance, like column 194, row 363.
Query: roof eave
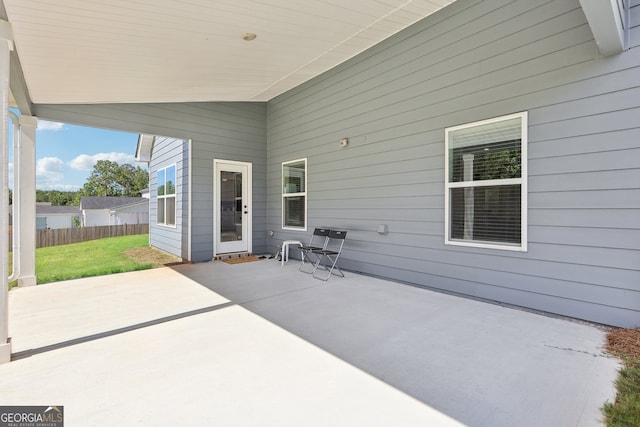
column 607, row 22
column 144, row 147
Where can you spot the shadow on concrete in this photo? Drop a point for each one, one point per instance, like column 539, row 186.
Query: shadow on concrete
column 481, row 364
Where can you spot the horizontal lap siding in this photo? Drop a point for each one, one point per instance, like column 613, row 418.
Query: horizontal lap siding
column 471, row 61
column 634, row 31
column 168, row 152
column 239, row 136
column 229, row 131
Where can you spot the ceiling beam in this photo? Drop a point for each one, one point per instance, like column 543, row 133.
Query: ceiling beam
column 18, row 86
column 17, row 83
column 606, row 19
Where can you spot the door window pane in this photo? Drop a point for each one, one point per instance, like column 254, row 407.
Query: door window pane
column 231, row 208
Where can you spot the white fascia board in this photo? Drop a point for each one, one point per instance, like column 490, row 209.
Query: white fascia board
column 144, row 202
column 144, row 147
column 605, row 19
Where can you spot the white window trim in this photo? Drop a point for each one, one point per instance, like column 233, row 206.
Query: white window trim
column 522, row 181
column 164, row 197
column 303, row 193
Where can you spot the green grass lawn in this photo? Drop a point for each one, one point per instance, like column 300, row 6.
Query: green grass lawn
column 87, row 259
column 625, row 411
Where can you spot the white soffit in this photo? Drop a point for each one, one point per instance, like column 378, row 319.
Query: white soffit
column 606, row 20
column 144, row 147
column 97, row 51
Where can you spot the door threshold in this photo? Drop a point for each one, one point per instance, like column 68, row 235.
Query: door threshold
column 233, row 255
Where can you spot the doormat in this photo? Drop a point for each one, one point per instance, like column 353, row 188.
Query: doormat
column 241, row 260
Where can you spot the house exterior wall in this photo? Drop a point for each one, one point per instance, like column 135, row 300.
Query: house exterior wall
column 634, row 23
column 227, row 131
column 240, row 135
column 122, row 218
column 169, row 152
column 137, row 214
column 96, row 217
column 55, row 221
column 471, row 61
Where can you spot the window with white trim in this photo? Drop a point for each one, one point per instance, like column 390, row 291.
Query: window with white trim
column 486, row 183
column 166, row 213
column 294, row 194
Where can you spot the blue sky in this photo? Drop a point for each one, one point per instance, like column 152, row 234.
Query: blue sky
column 66, row 154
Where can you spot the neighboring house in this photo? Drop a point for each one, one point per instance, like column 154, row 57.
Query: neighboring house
column 490, row 150
column 114, row 210
column 52, row 217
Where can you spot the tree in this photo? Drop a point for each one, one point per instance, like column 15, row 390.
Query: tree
column 111, row 179
column 55, row 197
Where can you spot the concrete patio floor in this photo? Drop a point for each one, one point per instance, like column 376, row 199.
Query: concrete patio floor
column 259, row 344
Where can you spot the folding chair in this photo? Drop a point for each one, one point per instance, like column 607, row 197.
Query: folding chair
column 327, row 258
column 318, row 241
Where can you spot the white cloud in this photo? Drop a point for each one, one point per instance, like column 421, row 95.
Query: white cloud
column 49, row 166
column 10, row 175
column 59, row 187
column 85, row 162
column 48, row 172
column 52, row 126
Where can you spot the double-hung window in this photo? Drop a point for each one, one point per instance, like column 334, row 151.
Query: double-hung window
column 166, row 213
column 294, row 194
column 486, row 183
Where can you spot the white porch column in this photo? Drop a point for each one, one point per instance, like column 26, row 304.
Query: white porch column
column 27, row 268
column 6, row 45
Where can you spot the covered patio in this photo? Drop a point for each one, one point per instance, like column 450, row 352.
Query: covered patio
column 366, row 95
column 263, row 344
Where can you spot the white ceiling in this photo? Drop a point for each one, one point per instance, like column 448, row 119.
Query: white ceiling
column 96, row 51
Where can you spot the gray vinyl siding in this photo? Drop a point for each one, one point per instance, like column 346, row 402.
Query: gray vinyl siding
column 228, row 131
column 243, row 139
column 168, row 152
column 634, row 23
column 475, row 60
column 472, row 60
column 185, row 201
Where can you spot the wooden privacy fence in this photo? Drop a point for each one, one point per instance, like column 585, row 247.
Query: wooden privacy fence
column 64, row 236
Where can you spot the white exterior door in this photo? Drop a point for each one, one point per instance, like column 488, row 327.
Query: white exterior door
column 232, row 206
